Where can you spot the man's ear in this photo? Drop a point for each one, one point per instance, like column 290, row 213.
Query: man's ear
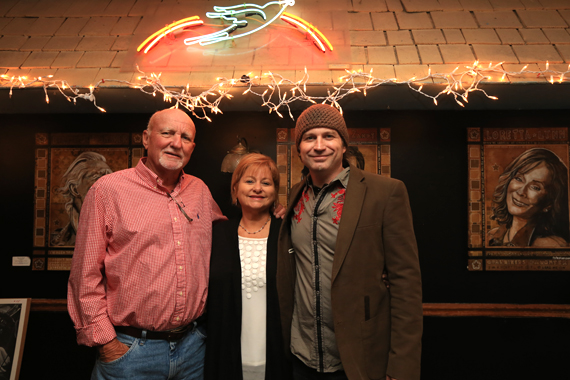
column 145, row 138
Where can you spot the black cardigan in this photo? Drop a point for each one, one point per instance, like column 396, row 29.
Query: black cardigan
column 223, row 345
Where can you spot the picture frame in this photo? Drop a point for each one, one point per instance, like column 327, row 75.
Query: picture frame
column 14, row 313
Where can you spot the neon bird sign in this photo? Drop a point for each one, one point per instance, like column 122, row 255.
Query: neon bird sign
column 231, row 13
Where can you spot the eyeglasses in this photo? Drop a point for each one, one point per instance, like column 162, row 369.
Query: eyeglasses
column 181, row 207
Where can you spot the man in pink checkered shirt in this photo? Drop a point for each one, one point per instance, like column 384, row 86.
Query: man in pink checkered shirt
column 139, row 275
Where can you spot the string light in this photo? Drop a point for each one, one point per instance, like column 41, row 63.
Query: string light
column 278, row 93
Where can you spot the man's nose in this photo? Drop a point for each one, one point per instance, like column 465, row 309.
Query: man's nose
column 176, row 141
column 319, row 143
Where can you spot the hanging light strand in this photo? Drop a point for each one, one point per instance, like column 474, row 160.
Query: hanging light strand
column 277, row 93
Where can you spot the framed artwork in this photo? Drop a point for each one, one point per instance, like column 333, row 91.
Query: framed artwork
column 519, row 199
column 369, row 150
column 14, row 315
column 67, row 164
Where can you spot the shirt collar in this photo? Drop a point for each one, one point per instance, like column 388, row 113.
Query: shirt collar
column 152, row 179
column 342, row 177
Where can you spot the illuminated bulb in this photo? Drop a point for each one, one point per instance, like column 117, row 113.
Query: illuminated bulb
column 422, row 86
column 524, row 68
column 547, row 64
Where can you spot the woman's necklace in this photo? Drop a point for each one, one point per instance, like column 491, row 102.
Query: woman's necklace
column 252, row 233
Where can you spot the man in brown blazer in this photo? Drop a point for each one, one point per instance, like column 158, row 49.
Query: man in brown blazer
column 342, row 229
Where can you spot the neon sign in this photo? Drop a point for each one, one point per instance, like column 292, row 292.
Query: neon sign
column 231, row 14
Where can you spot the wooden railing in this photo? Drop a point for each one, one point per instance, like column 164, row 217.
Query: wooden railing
column 430, row 309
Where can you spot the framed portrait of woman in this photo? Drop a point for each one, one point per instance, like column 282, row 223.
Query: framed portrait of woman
column 518, row 200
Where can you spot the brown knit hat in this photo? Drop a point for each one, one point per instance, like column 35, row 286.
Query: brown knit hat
column 320, row 116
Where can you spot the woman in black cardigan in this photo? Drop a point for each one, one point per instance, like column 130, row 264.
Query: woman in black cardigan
column 243, row 266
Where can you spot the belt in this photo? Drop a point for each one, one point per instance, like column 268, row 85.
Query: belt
column 170, row 335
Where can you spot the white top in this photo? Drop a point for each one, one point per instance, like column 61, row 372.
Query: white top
column 253, row 256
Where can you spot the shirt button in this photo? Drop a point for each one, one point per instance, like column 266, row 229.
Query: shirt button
column 181, row 293
column 178, row 242
column 180, row 267
column 175, row 219
column 177, row 318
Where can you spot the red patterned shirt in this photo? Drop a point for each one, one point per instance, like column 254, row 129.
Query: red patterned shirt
column 314, row 229
column 138, row 260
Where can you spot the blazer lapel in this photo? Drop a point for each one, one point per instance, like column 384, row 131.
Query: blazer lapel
column 354, row 199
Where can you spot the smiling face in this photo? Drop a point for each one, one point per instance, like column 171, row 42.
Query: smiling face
column 169, row 142
column 255, row 190
column 527, row 192
column 321, row 151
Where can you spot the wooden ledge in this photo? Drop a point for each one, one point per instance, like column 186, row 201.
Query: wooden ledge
column 430, row 309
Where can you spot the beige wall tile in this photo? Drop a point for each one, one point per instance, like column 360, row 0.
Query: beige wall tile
column 394, row 5
column 506, row 5
column 99, row 26
column 476, row 5
column 72, row 26
column 62, row 43
column 367, row 38
column 421, row 5
column 12, row 42
column 119, row 7
column 531, row 4
column 541, row 19
column 122, row 43
column 453, row 36
column 514, row 74
column 400, row 37
column 5, row 7
column 360, row 21
column 51, row 8
column 384, row 55
column 432, row 37
column 480, row 36
column 534, row 36
column 19, row 26
column 35, row 43
column 510, row 36
column 384, row 21
column 429, row 54
column 407, row 55
column 40, row 59
column 453, row 20
column 495, row 53
column 96, row 59
column 369, row 5
column 555, row 4
column 45, row 26
column 450, row 5
column 420, row 20
column 125, row 26
column 537, row 53
column 67, row 59
column 498, row 19
column 457, row 54
column 564, row 51
column 96, row 43
column 557, row 36
column 91, row 8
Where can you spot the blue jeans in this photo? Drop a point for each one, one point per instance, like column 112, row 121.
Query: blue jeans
column 155, row 359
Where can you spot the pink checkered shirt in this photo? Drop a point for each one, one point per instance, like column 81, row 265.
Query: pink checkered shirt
column 138, row 261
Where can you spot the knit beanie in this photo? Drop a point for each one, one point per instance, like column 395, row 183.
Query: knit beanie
column 320, row 116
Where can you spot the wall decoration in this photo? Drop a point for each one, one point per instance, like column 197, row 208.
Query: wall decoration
column 518, row 206
column 67, row 164
column 14, row 315
column 368, row 150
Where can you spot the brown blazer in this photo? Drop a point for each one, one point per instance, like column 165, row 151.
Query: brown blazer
column 378, row 331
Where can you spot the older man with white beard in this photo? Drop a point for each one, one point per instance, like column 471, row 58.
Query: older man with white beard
column 139, row 276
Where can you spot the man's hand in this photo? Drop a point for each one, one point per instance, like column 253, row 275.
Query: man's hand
column 112, row 351
column 279, row 211
column 388, row 377
column 386, row 281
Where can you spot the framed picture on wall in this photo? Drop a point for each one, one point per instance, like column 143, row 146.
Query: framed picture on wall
column 13, row 324
column 67, row 164
column 519, row 199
